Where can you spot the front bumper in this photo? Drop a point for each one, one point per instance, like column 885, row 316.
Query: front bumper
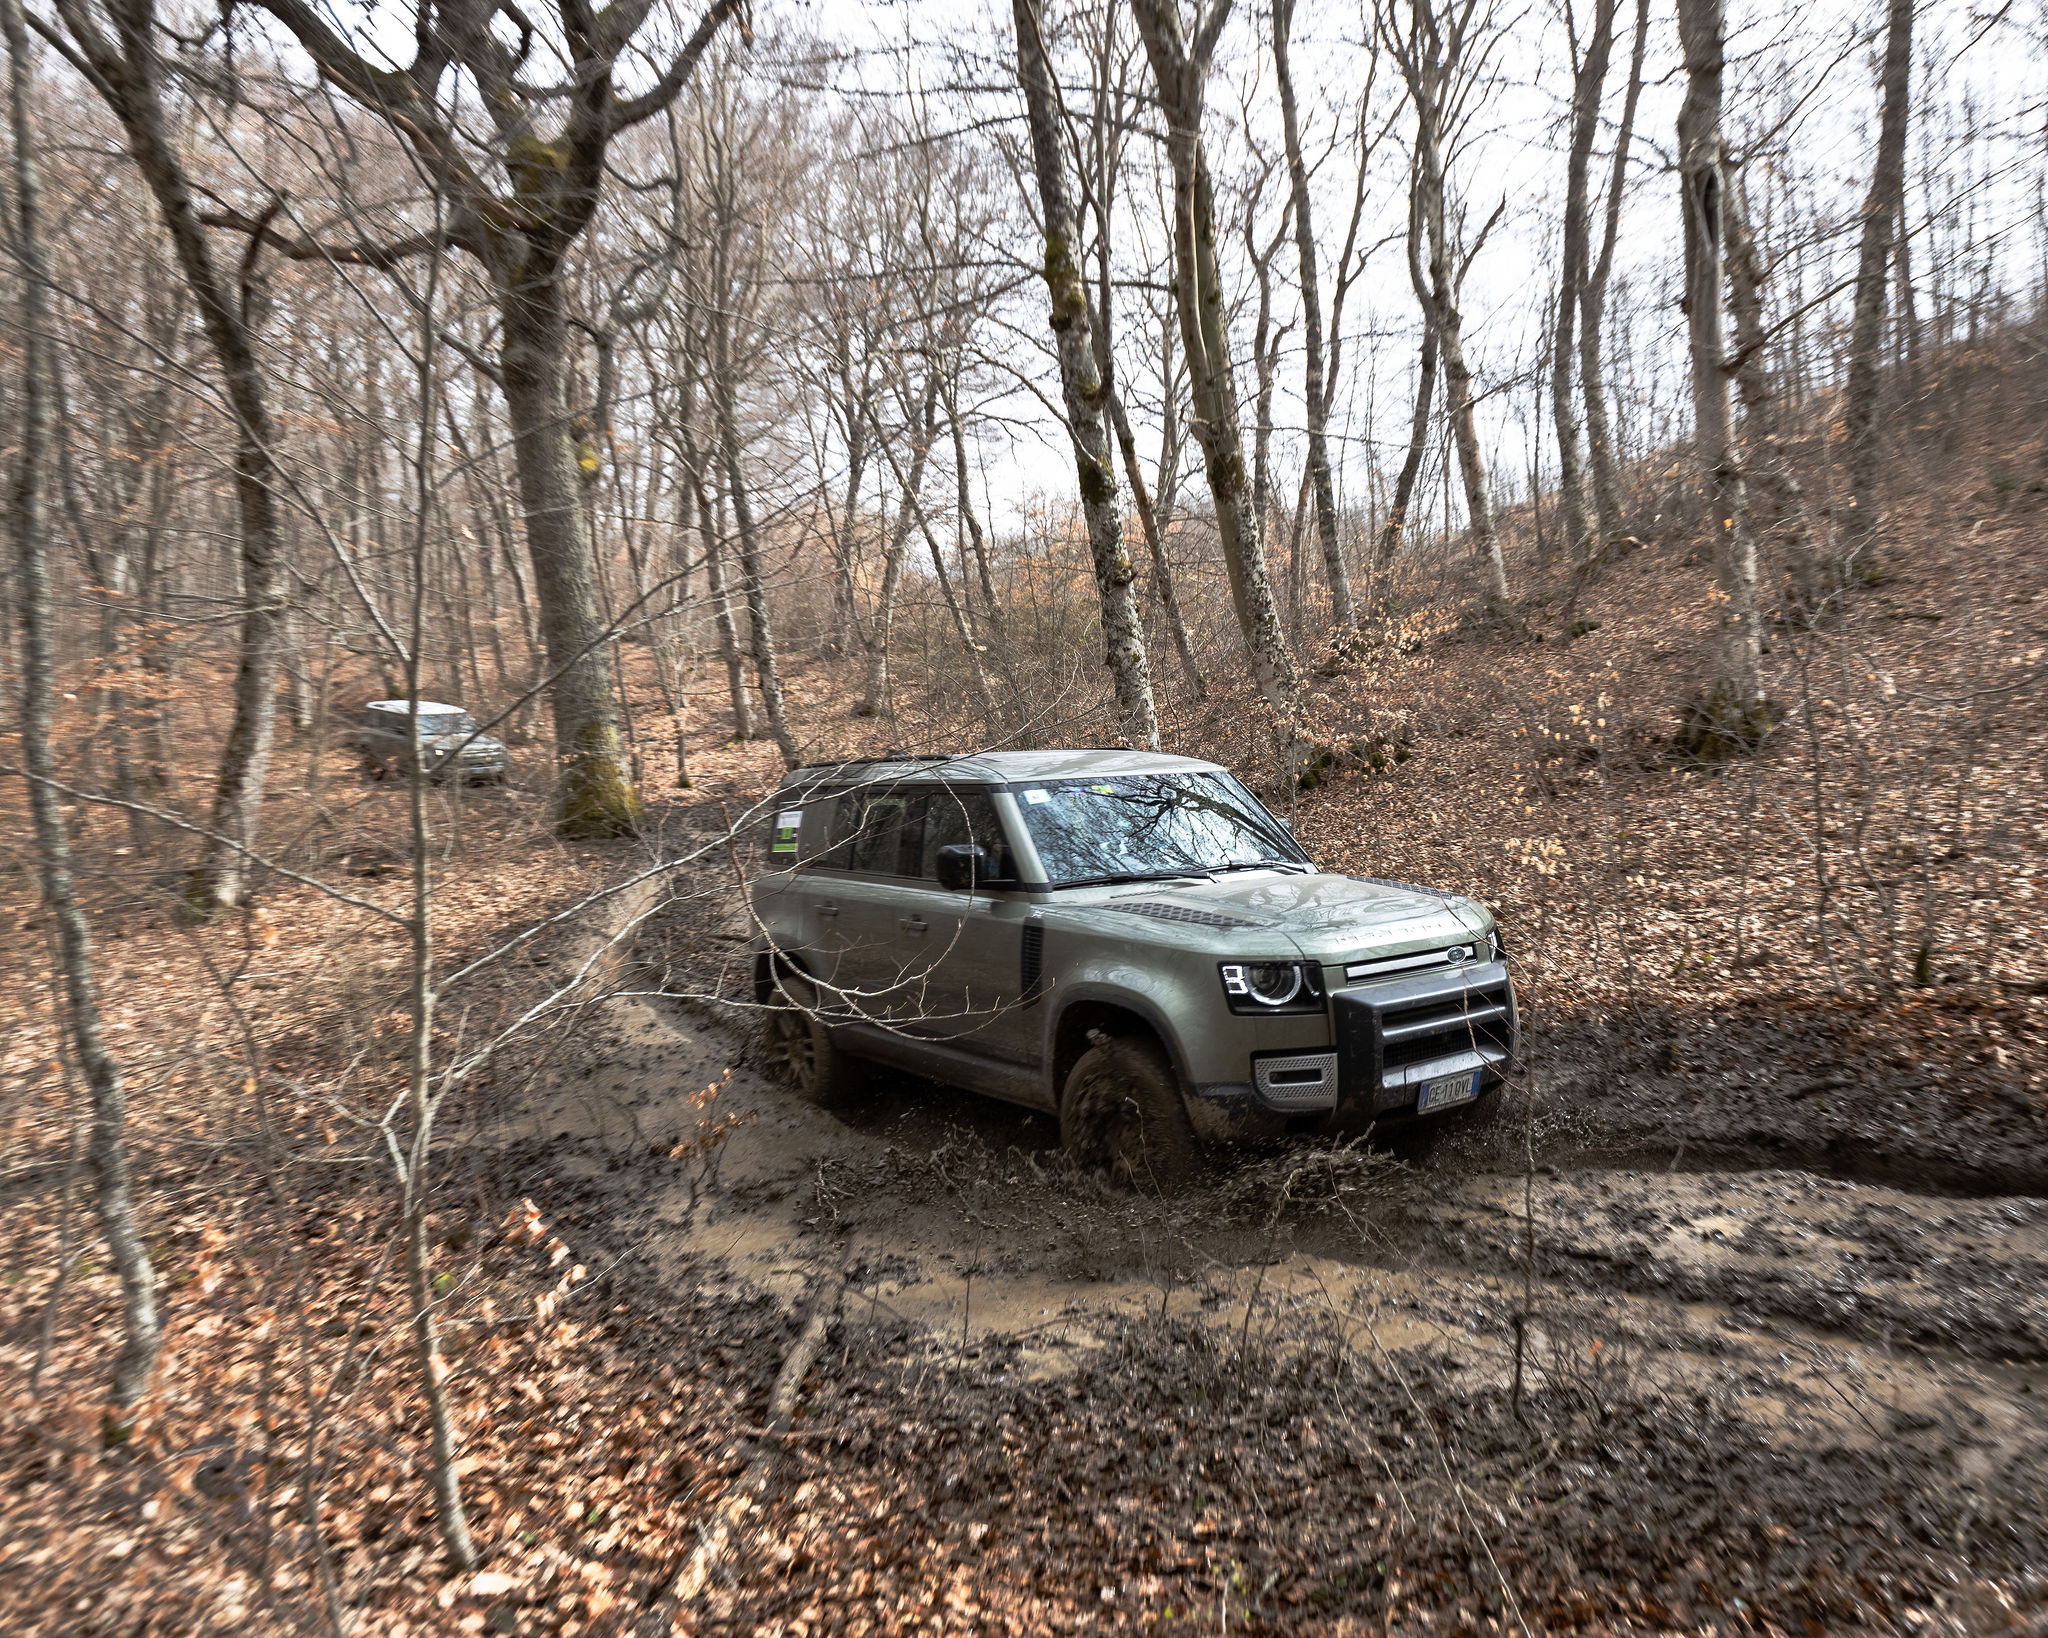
column 1387, row 1040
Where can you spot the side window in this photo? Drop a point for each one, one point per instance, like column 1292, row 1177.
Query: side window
column 959, row 816
column 875, row 832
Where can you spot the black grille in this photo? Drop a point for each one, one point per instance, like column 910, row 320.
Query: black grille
column 1033, row 962
column 1179, row 912
column 1391, row 1033
column 1438, row 1028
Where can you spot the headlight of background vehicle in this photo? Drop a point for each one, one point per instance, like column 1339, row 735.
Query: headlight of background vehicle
column 1269, row 987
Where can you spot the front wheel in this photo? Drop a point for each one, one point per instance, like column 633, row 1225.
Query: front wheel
column 1121, row 1112
column 801, row 1048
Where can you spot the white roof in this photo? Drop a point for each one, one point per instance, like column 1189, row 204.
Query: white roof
column 403, row 706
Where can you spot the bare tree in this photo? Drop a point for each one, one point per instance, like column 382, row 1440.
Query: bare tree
column 1111, row 118
column 1180, row 71
column 1418, row 419
column 1322, row 488
column 523, row 234
column 1593, row 306
column 1735, row 714
column 141, row 1332
column 1589, row 78
column 1442, row 57
column 735, row 270
column 1081, row 384
column 1766, row 455
column 120, row 61
column 1866, row 332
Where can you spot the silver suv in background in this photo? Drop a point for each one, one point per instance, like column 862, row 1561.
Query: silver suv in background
column 1128, row 940
column 451, row 745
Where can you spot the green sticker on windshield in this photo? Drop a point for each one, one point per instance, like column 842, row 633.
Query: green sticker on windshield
column 786, row 826
column 1103, row 790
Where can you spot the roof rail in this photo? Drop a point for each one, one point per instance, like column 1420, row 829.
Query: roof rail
column 872, row 761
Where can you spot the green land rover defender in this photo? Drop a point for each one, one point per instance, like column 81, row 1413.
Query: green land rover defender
column 1130, row 941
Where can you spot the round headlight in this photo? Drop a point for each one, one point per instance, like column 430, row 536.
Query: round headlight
column 1272, row 983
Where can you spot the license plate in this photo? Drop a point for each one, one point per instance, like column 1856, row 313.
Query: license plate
column 1451, row 1089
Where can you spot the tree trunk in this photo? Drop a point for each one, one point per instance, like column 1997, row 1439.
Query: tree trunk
column 1155, row 546
column 1322, row 489
column 1759, row 412
column 1593, row 309
column 1205, row 340
column 141, row 1333
column 1081, row 383
column 711, row 525
column 875, row 636
column 1439, row 292
column 977, row 541
column 598, row 796
column 1859, row 541
column 127, row 69
column 1589, row 79
column 761, row 630
column 1418, row 446
column 1735, row 713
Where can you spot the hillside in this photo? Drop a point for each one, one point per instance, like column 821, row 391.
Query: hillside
column 1735, row 1316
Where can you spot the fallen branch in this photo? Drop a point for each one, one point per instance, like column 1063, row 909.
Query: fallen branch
column 752, row 1486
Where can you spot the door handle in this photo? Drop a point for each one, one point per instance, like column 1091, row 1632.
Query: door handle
column 828, row 909
column 911, row 924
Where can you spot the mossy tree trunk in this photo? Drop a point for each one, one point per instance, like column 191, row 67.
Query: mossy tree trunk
column 518, row 198
column 598, row 796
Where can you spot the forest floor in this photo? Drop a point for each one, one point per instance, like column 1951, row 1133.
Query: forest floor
column 1734, row 1317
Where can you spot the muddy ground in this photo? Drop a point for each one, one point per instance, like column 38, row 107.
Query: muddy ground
column 1629, row 1355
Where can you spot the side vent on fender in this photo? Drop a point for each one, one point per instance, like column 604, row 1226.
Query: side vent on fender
column 1033, row 972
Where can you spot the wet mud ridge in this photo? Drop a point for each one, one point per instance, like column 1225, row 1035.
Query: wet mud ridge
column 1731, row 1389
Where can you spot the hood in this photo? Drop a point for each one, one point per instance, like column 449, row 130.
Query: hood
column 445, row 743
column 1332, row 918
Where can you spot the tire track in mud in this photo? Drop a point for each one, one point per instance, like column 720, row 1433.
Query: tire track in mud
column 1836, row 1311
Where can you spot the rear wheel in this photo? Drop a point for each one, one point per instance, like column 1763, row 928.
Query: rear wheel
column 801, row 1048
column 1121, row 1112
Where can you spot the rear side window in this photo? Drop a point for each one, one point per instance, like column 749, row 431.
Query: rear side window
column 898, row 832
column 874, row 831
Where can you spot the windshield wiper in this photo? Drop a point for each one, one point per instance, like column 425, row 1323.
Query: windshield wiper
column 1133, row 876
column 1264, row 864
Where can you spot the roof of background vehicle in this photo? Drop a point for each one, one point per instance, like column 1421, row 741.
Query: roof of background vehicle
column 996, row 767
column 401, row 707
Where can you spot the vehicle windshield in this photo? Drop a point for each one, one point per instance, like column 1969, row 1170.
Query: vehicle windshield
column 433, row 724
column 1131, row 826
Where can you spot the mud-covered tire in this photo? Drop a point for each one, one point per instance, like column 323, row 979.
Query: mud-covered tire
column 1121, row 1113
column 801, row 1050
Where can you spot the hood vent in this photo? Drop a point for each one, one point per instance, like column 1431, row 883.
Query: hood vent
column 1402, row 887
column 1159, row 911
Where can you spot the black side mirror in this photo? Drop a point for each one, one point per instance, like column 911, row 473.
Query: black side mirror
column 961, row 865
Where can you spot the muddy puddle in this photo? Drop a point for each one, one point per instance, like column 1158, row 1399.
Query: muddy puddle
column 1835, row 1314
